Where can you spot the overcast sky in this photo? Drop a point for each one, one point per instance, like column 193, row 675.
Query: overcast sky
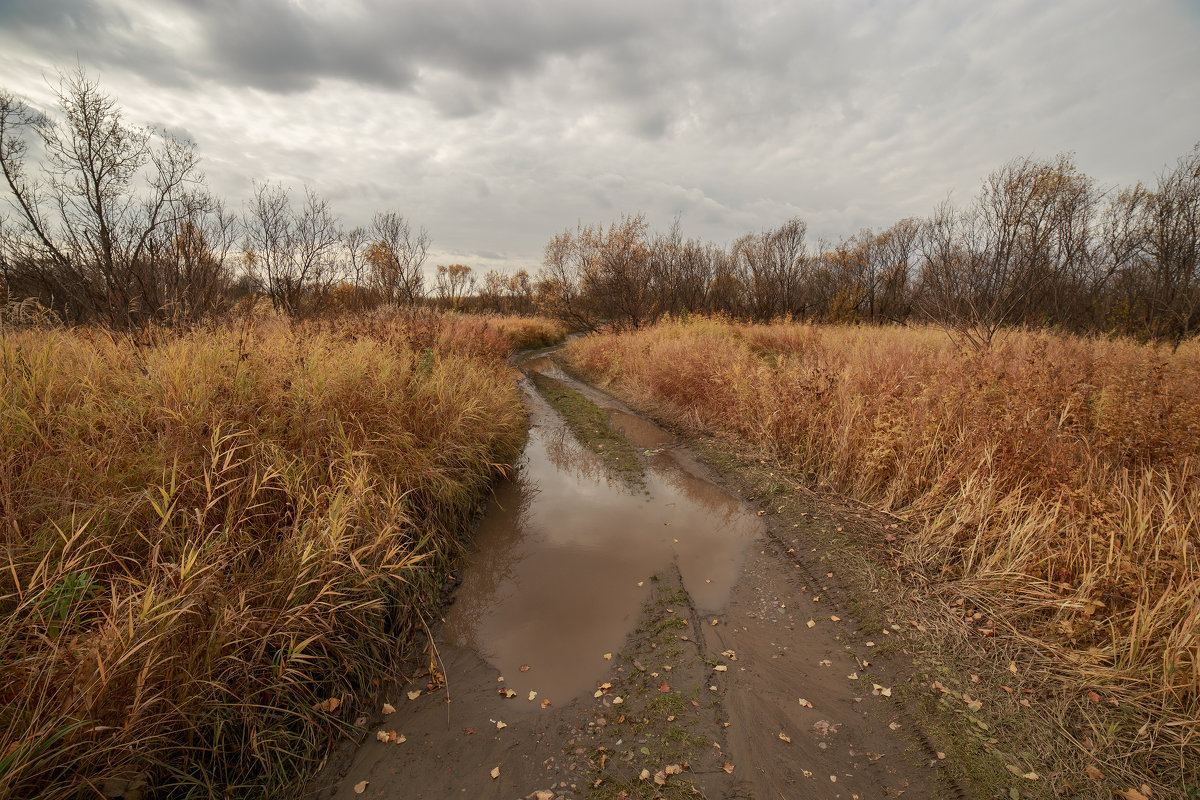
column 497, row 124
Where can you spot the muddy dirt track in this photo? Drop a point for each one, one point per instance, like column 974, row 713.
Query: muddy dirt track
column 654, row 636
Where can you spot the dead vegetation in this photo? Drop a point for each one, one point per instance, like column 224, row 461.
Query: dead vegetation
column 215, row 544
column 1050, row 483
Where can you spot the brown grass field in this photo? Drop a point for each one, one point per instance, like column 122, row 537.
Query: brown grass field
column 217, row 543
column 1052, row 481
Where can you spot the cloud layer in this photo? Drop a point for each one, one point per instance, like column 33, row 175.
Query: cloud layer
column 496, row 124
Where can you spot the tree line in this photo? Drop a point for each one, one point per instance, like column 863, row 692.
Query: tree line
column 110, row 222
column 114, row 223
column 1040, row 244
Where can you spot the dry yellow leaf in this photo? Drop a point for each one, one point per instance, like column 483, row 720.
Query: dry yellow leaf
column 501, row 725
column 644, row 775
column 532, row 695
column 784, row 737
column 414, row 694
column 388, row 708
column 805, row 703
column 1093, row 772
column 811, row 624
column 721, row 668
column 728, row 768
column 608, row 656
column 360, row 787
column 495, row 773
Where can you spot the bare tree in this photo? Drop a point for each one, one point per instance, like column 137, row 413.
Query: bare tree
column 396, row 258
column 91, row 229
column 454, row 284
column 294, row 252
column 990, row 265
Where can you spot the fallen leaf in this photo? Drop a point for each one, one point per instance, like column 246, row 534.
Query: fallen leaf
column 811, row 624
column 388, row 708
column 824, row 727
column 660, row 777
column 835, row 619
column 360, row 787
column 784, row 737
column 883, row 690
column 532, row 695
column 1132, row 794
column 545, row 704
column 894, row 726
column 1012, row 667
column 853, row 676
column 525, row 668
column 414, row 694
column 383, row 736
column 468, row 731
column 1093, row 773
column 721, row 668
column 501, row 725
column 728, row 768
column 941, row 756
column 664, row 687
column 495, row 773
column 644, row 775
column 805, row 703
column 825, row 663
column 507, row 693
column 617, row 701
column 1095, row 698
column 608, row 656
column 870, row 644
column 673, row 769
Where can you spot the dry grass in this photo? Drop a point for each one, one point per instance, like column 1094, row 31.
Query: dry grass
column 1054, row 483
column 208, row 536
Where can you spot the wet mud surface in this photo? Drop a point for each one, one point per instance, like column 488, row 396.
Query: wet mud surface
column 665, row 640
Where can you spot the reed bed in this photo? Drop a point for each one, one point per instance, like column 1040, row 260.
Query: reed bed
column 1053, row 482
column 217, row 545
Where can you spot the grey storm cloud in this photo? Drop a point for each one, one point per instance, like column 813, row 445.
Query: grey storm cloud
column 499, row 122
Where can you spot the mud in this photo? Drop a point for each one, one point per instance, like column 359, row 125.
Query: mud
column 579, row 580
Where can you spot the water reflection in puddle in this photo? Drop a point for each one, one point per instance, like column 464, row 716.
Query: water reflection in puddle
column 554, row 580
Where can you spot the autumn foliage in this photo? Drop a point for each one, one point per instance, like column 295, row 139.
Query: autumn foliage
column 215, row 544
column 1052, row 480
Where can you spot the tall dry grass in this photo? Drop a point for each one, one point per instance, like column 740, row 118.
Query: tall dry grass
column 1054, row 482
column 217, row 544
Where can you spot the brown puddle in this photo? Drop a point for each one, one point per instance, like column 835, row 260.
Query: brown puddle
column 554, row 579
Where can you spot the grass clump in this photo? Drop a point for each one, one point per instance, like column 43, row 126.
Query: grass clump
column 217, row 544
column 1052, row 483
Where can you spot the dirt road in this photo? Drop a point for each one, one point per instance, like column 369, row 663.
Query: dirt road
column 648, row 635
